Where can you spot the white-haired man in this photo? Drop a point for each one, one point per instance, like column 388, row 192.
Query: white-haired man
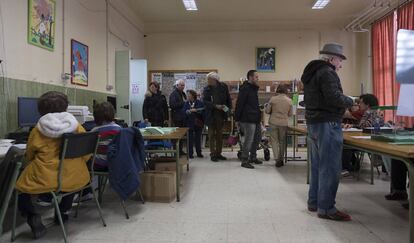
column 325, row 106
column 217, row 103
column 176, row 102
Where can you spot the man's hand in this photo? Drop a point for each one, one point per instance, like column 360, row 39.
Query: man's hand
column 193, row 110
column 146, row 120
column 347, row 126
column 219, row 107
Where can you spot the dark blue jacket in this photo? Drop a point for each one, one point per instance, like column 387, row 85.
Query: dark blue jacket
column 247, row 105
column 191, row 117
column 176, row 103
column 126, row 158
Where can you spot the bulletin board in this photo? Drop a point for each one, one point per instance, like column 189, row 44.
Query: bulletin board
column 195, row 79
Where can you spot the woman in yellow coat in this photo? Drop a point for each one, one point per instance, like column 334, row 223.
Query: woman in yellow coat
column 43, row 148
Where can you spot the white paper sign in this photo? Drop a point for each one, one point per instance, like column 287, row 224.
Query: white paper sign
column 406, row 100
column 134, row 88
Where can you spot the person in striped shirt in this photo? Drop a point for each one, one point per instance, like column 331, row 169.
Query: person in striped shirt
column 104, row 114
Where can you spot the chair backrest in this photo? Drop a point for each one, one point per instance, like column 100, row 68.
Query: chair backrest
column 75, row 145
column 9, row 170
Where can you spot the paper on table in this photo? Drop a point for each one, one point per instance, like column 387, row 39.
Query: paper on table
column 361, row 137
column 406, row 100
column 352, row 129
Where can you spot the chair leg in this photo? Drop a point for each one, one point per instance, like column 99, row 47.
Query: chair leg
column 140, row 196
column 79, row 202
column 125, row 211
column 372, row 171
column 98, row 206
column 16, row 199
column 57, row 211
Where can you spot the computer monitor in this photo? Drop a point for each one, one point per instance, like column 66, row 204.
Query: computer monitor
column 28, row 115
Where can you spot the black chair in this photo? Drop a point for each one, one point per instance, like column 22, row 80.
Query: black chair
column 9, row 170
column 73, row 146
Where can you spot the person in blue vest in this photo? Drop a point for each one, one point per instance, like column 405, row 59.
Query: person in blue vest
column 193, row 109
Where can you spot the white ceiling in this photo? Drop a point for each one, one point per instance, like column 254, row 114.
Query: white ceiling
column 233, row 14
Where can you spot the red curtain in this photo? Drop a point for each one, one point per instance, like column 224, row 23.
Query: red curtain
column 383, row 61
column 405, row 20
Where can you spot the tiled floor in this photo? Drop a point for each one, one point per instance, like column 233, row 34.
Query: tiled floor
column 222, row 202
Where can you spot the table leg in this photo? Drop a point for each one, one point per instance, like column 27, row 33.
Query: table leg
column 177, row 169
column 410, row 167
column 188, row 153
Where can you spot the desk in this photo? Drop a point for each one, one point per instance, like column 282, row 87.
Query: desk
column 178, row 134
column 404, row 153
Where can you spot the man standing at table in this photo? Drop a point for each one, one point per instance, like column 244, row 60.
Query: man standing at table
column 325, row 105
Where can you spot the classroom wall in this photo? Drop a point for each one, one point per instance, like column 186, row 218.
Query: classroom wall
column 32, row 67
column 233, row 52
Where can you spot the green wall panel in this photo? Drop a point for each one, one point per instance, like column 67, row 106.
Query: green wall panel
column 10, row 89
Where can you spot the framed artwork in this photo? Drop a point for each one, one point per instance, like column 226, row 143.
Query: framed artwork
column 266, row 59
column 41, row 23
column 79, row 63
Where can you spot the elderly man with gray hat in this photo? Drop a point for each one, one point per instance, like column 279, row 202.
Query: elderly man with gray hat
column 325, row 106
column 217, row 103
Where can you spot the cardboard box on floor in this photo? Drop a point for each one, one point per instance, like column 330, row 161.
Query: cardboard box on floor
column 158, row 186
column 171, row 166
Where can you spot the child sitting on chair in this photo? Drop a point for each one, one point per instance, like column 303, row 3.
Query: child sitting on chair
column 43, row 148
column 104, row 115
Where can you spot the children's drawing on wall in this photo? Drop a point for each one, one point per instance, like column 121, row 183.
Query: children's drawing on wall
column 79, row 63
column 41, row 26
column 265, row 59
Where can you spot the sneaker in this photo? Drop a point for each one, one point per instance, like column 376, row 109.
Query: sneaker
column 279, row 163
column 345, row 173
column 200, row 156
column 214, row 159
column 247, row 165
column 338, row 216
column 256, row 161
column 221, row 157
column 43, row 203
column 396, row 196
column 36, row 225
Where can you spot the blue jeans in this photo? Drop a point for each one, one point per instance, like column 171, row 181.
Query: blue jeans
column 325, row 142
column 250, row 142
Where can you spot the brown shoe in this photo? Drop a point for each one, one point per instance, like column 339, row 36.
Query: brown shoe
column 338, row 216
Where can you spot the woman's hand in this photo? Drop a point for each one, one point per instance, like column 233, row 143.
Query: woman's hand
column 347, row 126
column 193, row 110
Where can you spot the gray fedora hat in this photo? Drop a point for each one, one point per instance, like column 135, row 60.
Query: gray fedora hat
column 333, row 49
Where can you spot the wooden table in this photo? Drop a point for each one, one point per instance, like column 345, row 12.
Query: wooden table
column 178, row 134
column 403, row 153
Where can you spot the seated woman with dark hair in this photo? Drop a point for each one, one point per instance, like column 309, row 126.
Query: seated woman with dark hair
column 43, row 148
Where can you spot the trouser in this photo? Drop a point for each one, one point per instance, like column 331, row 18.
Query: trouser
column 398, row 176
column 326, row 143
column 180, row 142
column 256, row 141
column 194, row 138
column 215, row 136
column 249, row 131
column 278, row 139
column 26, row 206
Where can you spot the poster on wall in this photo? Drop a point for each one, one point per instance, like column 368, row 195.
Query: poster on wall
column 265, row 59
column 79, row 63
column 41, row 23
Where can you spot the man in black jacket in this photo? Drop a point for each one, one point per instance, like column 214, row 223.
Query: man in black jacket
column 177, row 99
column 217, row 103
column 325, row 106
column 248, row 116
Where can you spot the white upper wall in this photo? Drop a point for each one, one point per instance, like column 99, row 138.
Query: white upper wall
column 85, row 21
column 232, row 53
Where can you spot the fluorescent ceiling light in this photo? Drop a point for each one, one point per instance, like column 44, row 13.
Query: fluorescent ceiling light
column 190, row 5
column 320, row 4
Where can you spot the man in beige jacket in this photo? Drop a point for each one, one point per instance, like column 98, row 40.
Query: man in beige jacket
column 280, row 109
